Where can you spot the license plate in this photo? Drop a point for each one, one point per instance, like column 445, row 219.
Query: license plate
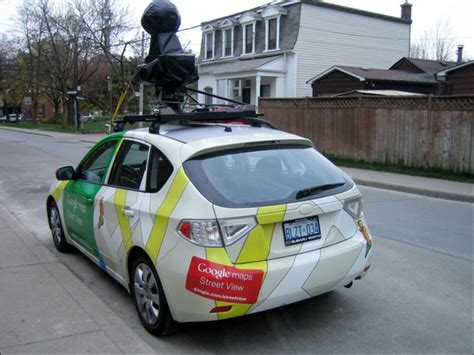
column 301, row 230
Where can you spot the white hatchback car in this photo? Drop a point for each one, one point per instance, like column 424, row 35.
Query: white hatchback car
column 203, row 222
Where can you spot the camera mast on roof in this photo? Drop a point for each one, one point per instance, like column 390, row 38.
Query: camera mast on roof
column 170, row 70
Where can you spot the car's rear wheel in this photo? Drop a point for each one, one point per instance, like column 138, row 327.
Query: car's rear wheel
column 57, row 230
column 149, row 298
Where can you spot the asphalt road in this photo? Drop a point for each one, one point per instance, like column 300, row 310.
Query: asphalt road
column 416, row 298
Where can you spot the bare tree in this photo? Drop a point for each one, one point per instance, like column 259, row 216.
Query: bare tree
column 106, row 22
column 75, row 42
column 59, row 50
column 435, row 43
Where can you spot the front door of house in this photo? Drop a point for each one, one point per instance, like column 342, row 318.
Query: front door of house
column 246, row 95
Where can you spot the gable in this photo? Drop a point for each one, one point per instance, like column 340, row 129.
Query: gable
column 406, row 65
column 273, row 10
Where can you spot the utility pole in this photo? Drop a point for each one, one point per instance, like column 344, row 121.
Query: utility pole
column 73, row 95
column 140, row 101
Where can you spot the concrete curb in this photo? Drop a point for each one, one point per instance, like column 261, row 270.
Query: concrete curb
column 27, row 131
column 415, row 190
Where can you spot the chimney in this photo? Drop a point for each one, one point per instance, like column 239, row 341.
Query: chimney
column 406, row 11
column 460, row 48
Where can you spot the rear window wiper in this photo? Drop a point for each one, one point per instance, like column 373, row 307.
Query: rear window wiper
column 314, row 190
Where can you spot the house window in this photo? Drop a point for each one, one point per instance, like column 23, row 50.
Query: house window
column 272, row 15
column 272, row 34
column 265, row 90
column 209, row 45
column 236, row 90
column 208, row 99
column 228, row 41
column 249, row 38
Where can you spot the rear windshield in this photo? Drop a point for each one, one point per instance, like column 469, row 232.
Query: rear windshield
column 264, row 176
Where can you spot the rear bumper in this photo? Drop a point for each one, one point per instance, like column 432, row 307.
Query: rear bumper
column 285, row 280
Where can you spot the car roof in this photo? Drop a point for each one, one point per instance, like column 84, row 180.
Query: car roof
column 193, row 133
column 192, row 139
column 198, row 132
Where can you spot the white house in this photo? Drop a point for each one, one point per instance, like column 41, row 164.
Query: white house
column 272, row 50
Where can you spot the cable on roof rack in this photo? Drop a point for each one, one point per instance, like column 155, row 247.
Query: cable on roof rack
column 245, row 114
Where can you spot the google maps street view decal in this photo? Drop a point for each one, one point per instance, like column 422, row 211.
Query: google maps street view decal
column 223, row 283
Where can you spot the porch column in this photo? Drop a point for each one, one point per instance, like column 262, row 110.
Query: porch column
column 258, row 81
column 227, row 91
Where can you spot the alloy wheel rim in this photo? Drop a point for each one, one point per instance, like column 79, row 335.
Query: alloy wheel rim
column 55, row 225
column 146, row 293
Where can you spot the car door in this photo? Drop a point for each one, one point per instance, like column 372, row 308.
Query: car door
column 120, row 201
column 80, row 193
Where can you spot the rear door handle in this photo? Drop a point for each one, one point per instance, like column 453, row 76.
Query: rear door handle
column 128, row 212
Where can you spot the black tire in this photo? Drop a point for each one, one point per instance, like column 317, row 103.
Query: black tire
column 57, row 231
column 149, row 298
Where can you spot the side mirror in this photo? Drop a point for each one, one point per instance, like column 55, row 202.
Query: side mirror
column 65, row 173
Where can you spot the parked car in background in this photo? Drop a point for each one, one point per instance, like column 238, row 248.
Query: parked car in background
column 87, row 118
column 12, row 117
column 15, row 117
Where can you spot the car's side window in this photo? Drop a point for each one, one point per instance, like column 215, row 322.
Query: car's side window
column 159, row 171
column 130, row 166
column 94, row 168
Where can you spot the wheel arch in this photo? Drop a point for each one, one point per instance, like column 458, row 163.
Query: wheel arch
column 49, row 202
column 134, row 252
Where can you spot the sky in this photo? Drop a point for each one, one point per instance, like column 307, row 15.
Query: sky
column 426, row 14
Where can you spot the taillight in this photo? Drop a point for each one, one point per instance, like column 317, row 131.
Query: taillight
column 211, row 233
column 204, row 233
column 353, row 206
column 236, row 228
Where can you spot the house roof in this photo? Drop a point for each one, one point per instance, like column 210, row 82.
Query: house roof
column 364, row 74
column 240, row 65
column 426, row 65
column 454, row 68
column 355, row 11
column 320, row 4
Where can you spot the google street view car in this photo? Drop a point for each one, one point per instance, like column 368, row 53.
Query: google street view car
column 211, row 215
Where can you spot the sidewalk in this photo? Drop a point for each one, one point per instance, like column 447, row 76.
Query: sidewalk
column 87, row 137
column 45, row 308
column 450, row 190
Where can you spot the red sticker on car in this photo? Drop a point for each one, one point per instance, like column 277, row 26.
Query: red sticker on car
column 223, row 283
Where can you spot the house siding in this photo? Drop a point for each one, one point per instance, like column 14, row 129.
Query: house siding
column 336, row 83
column 461, row 81
column 330, row 37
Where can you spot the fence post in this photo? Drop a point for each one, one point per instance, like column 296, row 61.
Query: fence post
column 430, row 105
column 362, row 153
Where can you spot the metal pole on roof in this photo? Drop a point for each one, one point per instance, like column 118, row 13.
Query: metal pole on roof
column 140, row 102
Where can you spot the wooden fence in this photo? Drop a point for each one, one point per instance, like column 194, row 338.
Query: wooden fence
column 430, row 132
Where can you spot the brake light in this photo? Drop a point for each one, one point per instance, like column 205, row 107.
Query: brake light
column 213, row 233
column 204, row 233
column 185, row 229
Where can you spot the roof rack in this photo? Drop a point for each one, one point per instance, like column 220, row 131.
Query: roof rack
column 244, row 112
